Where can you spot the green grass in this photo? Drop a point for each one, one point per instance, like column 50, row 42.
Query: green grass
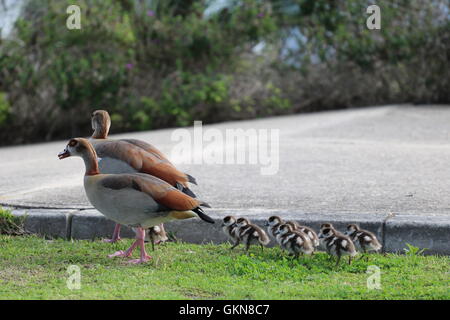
column 35, row 268
column 10, row 224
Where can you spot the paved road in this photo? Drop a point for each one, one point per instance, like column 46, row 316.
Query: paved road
column 374, row 160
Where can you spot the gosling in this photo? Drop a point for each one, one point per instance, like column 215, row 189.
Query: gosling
column 157, row 235
column 312, row 235
column 364, row 239
column 230, row 229
column 272, row 224
column 250, row 234
column 337, row 244
column 295, row 242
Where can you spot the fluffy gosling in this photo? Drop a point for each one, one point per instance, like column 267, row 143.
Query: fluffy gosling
column 157, row 235
column 272, row 224
column 312, row 235
column 364, row 239
column 250, row 234
column 337, row 244
column 295, row 242
column 229, row 227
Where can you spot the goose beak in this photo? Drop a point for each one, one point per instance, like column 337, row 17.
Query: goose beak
column 63, row 154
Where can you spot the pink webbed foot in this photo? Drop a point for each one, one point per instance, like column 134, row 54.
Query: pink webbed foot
column 116, row 235
column 113, row 240
column 140, row 260
column 119, row 253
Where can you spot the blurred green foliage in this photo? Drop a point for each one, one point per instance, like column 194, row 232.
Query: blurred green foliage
column 166, row 63
column 4, row 109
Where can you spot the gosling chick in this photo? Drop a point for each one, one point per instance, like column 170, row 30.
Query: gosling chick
column 364, row 239
column 250, row 233
column 272, row 225
column 327, row 225
column 229, row 227
column 293, row 241
column 312, row 235
column 337, row 244
column 157, row 235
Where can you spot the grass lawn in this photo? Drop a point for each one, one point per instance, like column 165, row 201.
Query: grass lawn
column 35, row 268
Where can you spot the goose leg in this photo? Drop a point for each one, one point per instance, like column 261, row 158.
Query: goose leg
column 116, row 234
column 338, row 259
column 126, row 253
column 140, row 237
column 235, row 244
column 152, row 240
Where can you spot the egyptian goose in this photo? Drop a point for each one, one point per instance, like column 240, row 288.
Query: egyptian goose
column 293, row 241
column 337, row 244
column 230, row 229
column 137, row 200
column 130, row 156
column 366, row 240
column 250, row 233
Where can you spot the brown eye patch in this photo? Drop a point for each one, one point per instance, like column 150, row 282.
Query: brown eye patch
column 73, row 143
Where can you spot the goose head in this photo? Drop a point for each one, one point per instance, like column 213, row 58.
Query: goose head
column 273, row 221
column 283, row 229
column 80, row 147
column 326, row 233
column 351, row 228
column 242, row 222
column 228, row 221
column 326, row 225
column 101, row 122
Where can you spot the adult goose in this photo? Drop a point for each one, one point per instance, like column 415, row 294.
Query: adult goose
column 137, row 200
column 131, row 155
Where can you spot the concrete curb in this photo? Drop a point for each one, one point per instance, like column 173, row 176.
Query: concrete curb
column 393, row 231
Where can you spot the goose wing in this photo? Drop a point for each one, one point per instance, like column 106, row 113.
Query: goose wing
column 142, row 160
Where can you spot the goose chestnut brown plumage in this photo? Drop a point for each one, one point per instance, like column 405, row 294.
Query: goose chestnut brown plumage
column 137, row 200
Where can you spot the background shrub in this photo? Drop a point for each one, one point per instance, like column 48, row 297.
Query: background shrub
column 164, row 63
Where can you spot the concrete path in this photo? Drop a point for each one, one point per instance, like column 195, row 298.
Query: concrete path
column 360, row 162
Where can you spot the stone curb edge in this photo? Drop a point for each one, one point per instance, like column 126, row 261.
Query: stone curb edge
column 394, row 231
